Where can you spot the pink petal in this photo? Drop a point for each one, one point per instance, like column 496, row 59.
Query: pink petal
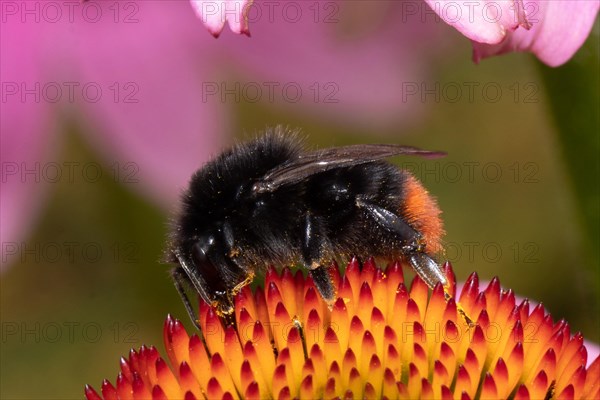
column 484, row 21
column 25, row 133
column 214, row 13
column 593, row 351
column 559, row 28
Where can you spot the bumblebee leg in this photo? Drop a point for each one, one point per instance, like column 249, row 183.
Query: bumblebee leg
column 323, row 283
column 427, row 268
column 414, row 249
column 313, row 247
column 432, row 274
column 181, row 280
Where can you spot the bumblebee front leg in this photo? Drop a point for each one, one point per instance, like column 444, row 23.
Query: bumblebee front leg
column 313, row 246
column 181, row 280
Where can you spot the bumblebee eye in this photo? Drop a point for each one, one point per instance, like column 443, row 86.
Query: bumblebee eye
column 199, row 254
column 206, row 268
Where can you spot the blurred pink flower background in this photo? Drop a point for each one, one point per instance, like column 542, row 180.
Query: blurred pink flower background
column 146, row 85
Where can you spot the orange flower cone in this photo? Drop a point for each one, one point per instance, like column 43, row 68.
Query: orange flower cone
column 379, row 340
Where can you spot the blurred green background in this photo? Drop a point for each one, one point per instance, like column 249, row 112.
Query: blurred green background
column 509, row 202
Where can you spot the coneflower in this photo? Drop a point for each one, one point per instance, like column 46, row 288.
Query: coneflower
column 381, row 339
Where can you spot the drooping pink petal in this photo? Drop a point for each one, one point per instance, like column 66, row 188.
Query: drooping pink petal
column 558, row 29
column 25, row 133
column 593, row 351
column 214, row 14
column 484, row 21
column 551, row 29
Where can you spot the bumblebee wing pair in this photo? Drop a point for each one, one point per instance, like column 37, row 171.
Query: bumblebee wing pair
column 321, row 161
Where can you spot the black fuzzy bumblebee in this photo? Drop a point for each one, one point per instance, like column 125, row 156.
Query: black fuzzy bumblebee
column 269, row 201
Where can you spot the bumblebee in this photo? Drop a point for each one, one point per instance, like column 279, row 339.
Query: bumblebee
column 271, row 202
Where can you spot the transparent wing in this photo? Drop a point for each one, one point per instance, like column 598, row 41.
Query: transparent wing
column 319, row 161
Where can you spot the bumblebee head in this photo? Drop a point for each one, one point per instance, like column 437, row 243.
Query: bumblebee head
column 210, row 270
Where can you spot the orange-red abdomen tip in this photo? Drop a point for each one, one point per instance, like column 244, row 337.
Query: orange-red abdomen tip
column 422, row 213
